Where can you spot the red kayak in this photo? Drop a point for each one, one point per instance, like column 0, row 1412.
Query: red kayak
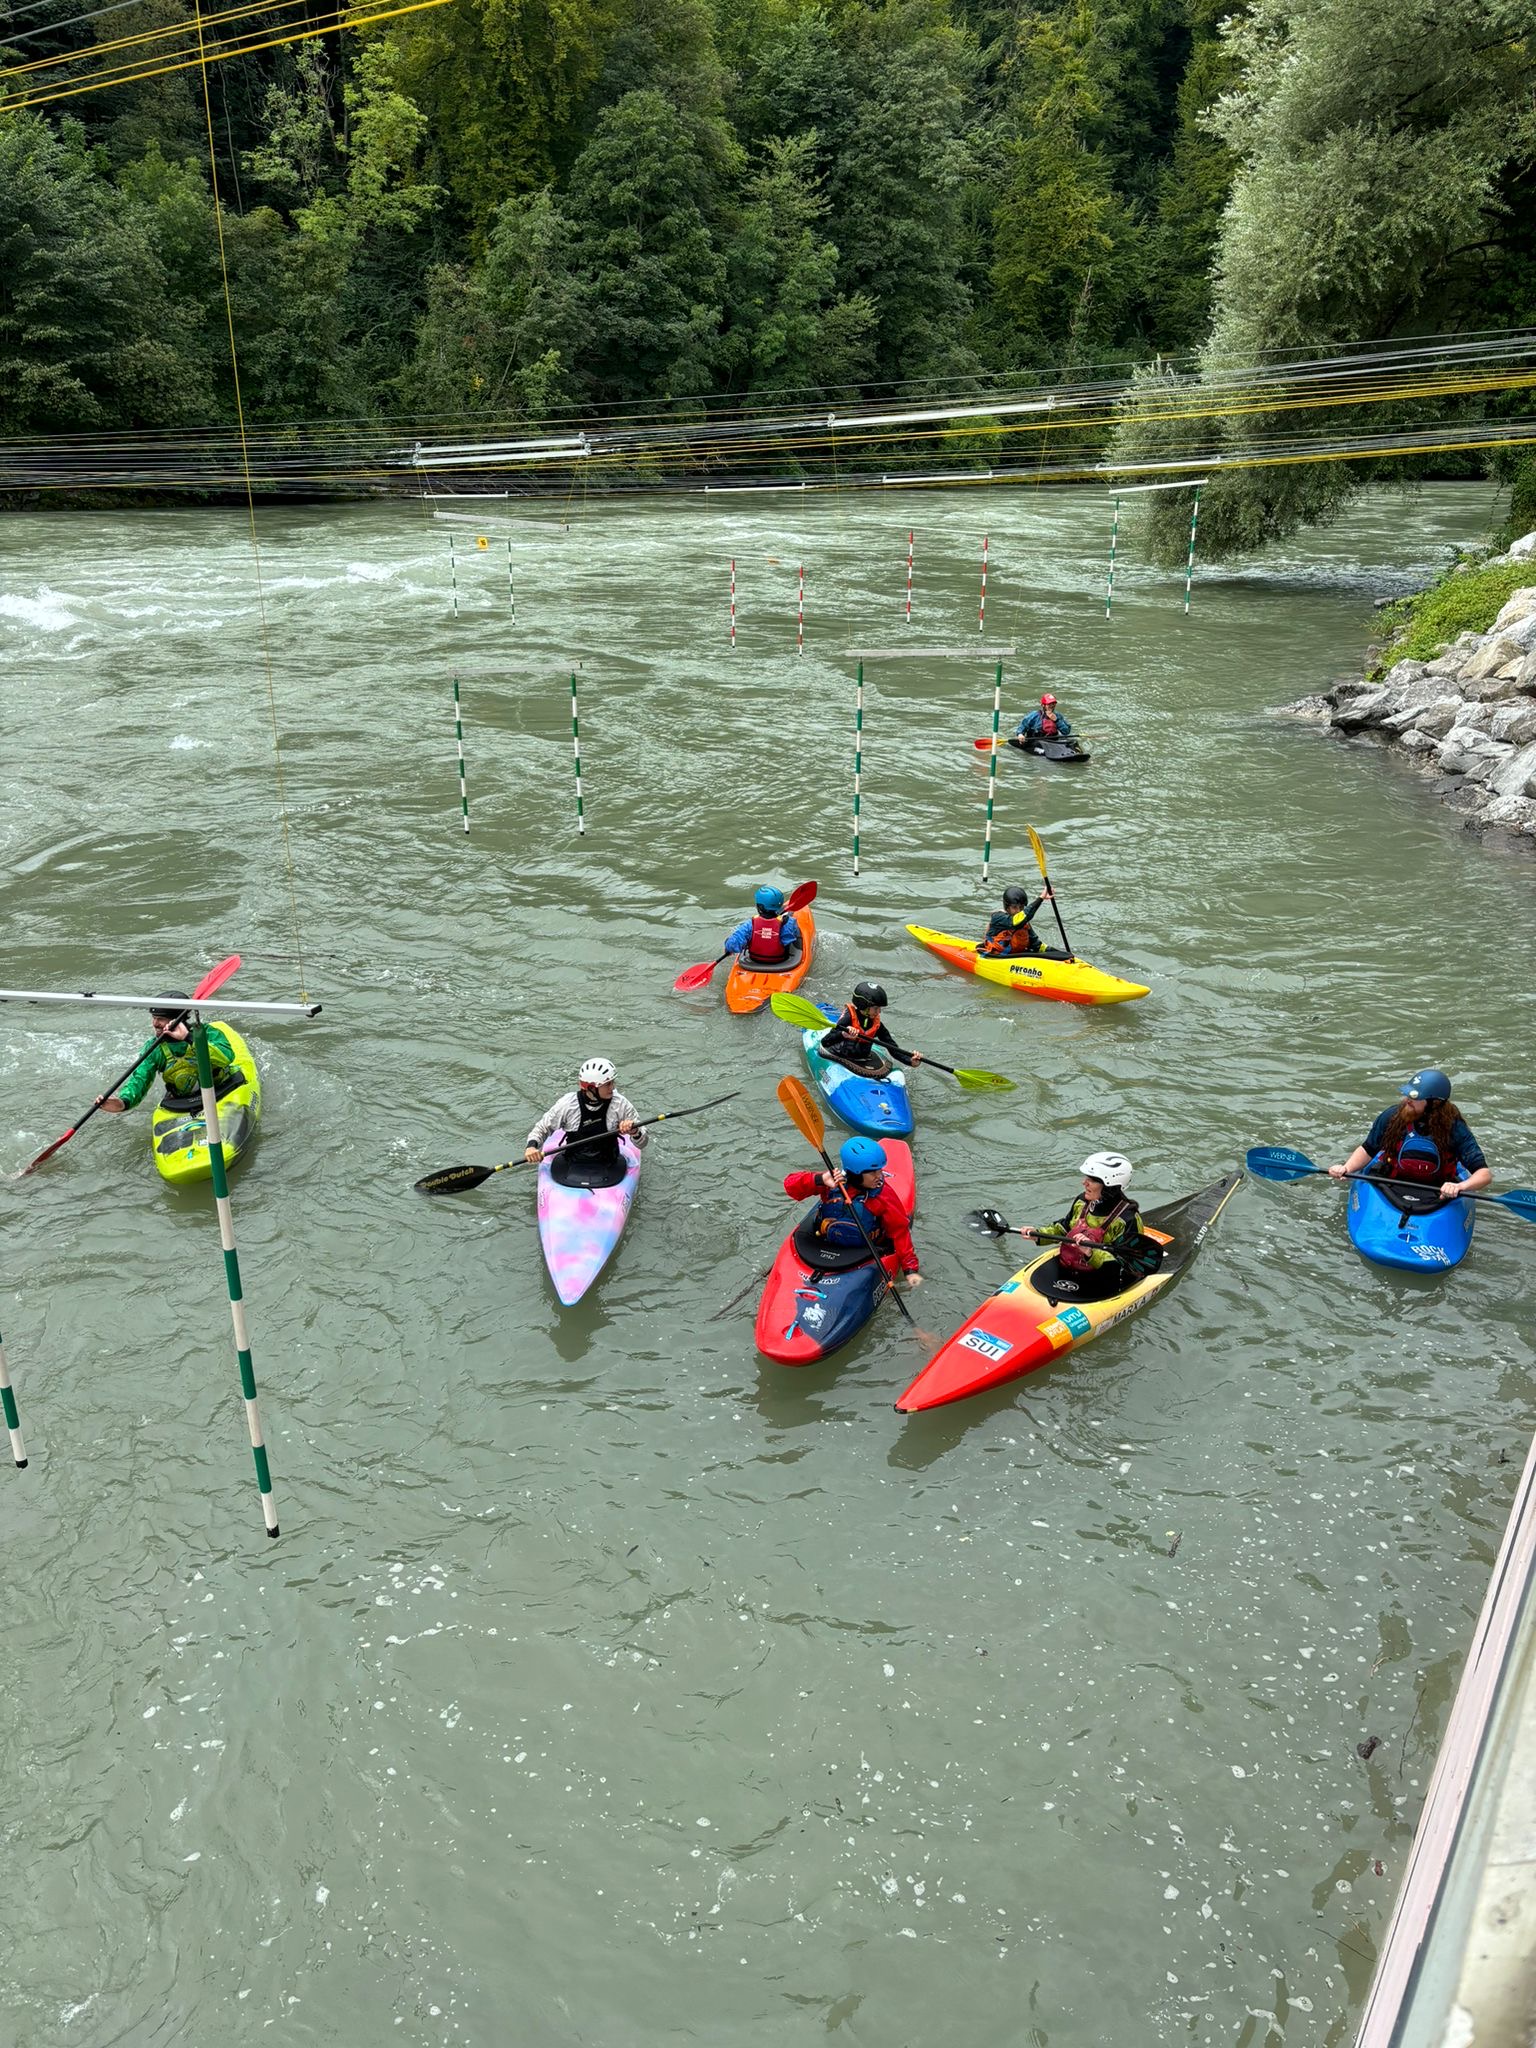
column 818, row 1296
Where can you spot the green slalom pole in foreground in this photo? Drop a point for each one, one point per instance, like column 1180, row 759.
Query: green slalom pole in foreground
column 232, row 1274
column 12, row 1419
column 1189, row 566
column 858, row 759
column 997, row 719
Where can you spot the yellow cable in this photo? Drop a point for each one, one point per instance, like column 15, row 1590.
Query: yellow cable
column 136, row 41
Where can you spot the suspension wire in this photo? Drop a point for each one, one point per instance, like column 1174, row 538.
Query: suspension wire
column 250, row 506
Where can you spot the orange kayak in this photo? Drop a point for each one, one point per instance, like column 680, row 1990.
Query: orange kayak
column 748, row 988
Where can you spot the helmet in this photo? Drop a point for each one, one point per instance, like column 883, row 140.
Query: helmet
column 171, row 1005
column 597, row 1072
column 769, row 902
column 869, row 995
column 1015, row 896
column 1113, row 1168
column 1429, row 1085
column 1047, row 698
column 861, row 1155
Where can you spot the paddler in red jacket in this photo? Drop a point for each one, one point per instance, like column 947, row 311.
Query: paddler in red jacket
column 859, row 1039
column 854, row 1193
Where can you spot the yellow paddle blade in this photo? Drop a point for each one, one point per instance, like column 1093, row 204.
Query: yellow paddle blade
column 803, row 1110
column 791, row 1009
column 1034, row 840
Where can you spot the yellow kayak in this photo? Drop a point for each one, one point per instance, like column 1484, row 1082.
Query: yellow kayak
column 1032, row 974
column 178, row 1134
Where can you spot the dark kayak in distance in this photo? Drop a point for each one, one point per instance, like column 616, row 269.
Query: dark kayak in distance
column 1051, row 750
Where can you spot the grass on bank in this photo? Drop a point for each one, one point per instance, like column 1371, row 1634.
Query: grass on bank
column 1463, row 601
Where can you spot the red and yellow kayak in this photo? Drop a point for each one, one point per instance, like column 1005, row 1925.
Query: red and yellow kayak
column 1032, row 974
column 1028, row 1322
column 748, row 988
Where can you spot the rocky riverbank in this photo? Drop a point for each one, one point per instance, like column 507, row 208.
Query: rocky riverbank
column 1467, row 716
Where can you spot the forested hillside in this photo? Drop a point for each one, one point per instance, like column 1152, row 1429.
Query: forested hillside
column 519, row 207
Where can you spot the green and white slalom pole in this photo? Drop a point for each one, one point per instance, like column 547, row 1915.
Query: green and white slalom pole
column 1189, row 566
column 997, row 719
column 232, row 1273
column 858, row 759
column 581, row 823
column 12, row 1418
column 1114, row 535
column 511, row 593
column 458, row 711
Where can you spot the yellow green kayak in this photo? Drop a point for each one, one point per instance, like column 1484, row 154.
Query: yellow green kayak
column 178, row 1133
column 1033, row 974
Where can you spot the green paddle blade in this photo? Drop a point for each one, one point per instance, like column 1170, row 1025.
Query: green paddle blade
column 980, row 1082
column 792, row 1009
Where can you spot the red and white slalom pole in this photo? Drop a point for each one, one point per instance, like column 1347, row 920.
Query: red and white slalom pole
column 981, row 616
column 733, row 600
column 800, row 615
column 909, row 577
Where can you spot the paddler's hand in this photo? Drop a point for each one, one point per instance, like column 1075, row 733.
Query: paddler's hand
column 1338, row 1173
column 1450, row 1190
column 916, row 1058
column 1026, row 1230
column 626, row 1125
column 913, row 1280
column 532, row 1153
column 112, row 1104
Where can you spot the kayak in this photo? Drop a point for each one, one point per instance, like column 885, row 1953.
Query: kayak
column 1049, row 974
column 582, row 1218
column 1052, row 750
column 178, row 1130
column 1408, row 1229
column 748, row 987
column 818, row 1296
column 1032, row 1319
column 880, row 1109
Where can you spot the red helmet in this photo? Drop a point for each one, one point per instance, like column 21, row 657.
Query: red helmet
column 1047, row 698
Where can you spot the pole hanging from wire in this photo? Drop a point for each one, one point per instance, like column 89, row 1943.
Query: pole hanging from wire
column 858, row 758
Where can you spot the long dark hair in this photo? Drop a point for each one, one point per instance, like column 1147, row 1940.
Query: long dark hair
column 1436, row 1124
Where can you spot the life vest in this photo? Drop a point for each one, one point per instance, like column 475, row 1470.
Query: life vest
column 851, row 1025
column 1047, row 725
column 180, row 1070
column 1019, row 938
column 1418, row 1158
column 1085, row 1236
column 836, row 1225
column 765, row 942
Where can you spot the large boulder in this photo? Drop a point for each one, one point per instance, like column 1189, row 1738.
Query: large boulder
column 1450, row 660
column 1494, row 689
column 1517, row 775
column 1515, row 724
column 1520, row 604
column 1467, row 752
column 1436, row 719
column 1523, row 549
column 1514, row 813
column 1497, row 651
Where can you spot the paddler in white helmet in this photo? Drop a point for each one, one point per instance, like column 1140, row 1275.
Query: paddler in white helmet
column 592, row 1110
column 1104, row 1249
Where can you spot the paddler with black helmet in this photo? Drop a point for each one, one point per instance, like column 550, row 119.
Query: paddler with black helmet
column 860, row 1040
column 1425, row 1138
column 1104, row 1249
column 1010, row 930
column 173, row 1058
column 854, row 1194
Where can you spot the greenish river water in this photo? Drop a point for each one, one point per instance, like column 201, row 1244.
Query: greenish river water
column 609, row 1685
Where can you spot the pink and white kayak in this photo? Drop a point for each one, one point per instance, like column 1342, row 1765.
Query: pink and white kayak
column 579, row 1224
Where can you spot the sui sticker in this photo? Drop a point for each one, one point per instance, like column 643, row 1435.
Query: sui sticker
column 984, row 1342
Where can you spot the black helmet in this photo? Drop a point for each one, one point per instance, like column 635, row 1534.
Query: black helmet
column 171, row 1005
column 869, row 995
column 1015, row 896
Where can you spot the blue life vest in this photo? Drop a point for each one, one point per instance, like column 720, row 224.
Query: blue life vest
column 836, row 1225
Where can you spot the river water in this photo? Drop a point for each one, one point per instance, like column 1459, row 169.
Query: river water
column 609, row 1685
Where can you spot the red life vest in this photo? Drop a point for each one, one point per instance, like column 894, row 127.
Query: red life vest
column 765, row 941
column 1419, row 1158
column 1048, row 725
column 1019, row 938
column 1085, row 1237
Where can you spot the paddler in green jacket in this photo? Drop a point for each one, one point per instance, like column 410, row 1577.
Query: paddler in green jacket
column 173, row 1059
column 1103, row 1247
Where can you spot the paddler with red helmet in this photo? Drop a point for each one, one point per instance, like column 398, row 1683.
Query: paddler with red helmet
column 1426, row 1138
column 1045, row 724
column 857, row 1193
column 860, row 1040
column 1104, row 1249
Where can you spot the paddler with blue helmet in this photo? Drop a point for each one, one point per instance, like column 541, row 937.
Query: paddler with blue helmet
column 769, row 936
column 856, row 1192
column 1425, row 1138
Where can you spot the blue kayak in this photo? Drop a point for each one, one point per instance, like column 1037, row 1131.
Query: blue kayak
column 879, row 1109
column 1416, row 1232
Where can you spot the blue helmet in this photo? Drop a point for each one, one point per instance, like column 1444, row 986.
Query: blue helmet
column 861, row 1155
column 769, row 902
column 1429, row 1085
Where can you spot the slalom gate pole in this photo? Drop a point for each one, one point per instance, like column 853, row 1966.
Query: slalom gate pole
column 1114, row 535
column 800, row 615
column 511, row 593
column 232, row 1273
column 997, row 718
column 909, row 576
column 581, row 823
column 12, row 1419
column 981, row 616
column 458, row 709
column 858, row 759
column 733, row 600
column 1189, row 566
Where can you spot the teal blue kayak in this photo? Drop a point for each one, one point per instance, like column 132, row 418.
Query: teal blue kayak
column 877, row 1109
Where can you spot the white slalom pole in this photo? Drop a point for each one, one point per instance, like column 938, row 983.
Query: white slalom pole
column 733, row 600
column 981, row 617
column 1114, row 535
column 909, row 576
column 12, row 1419
column 800, row 616
column 581, row 822
column 858, row 760
column 997, row 717
column 1189, row 566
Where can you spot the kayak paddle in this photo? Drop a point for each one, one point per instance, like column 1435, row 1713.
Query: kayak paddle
column 807, row 1118
column 1278, row 1163
column 214, row 978
column 457, row 1180
column 1034, row 840
column 698, row 976
column 793, row 1009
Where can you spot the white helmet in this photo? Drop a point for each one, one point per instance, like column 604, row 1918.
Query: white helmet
column 1113, row 1168
column 598, row 1072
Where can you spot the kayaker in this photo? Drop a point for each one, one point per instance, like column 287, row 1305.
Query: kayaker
column 855, row 1192
column 175, row 1061
column 770, row 935
column 860, row 1040
column 1424, row 1139
column 593, row 1109
column 1103, row 1246
column 1045, row 724
column 1009, row 930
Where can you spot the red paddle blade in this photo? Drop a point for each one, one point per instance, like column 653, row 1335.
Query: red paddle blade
column 696, row 977
column 801, row 898
column 985, row 746
column 216, row 976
